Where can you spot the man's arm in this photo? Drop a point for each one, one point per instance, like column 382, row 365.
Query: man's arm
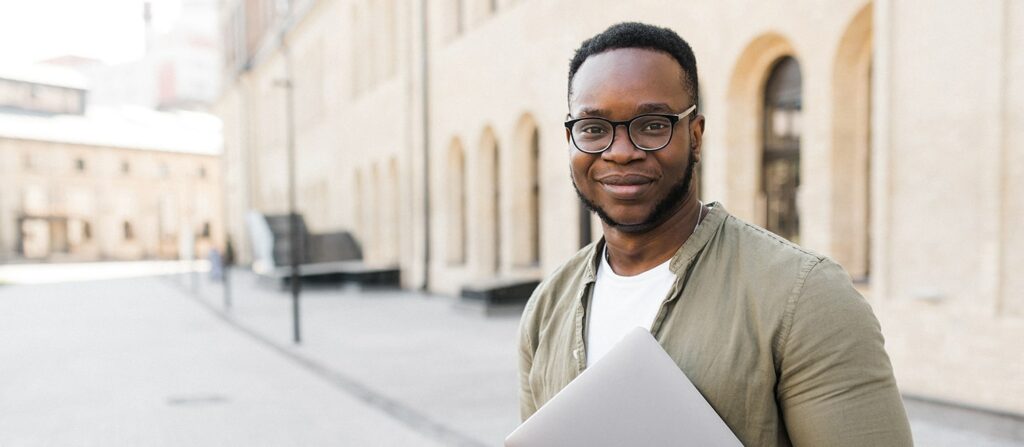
column 836, row 385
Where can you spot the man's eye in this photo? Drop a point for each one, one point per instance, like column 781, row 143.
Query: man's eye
column 655, row 126
column 593, row 129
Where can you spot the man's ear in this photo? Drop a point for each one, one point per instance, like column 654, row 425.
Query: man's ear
column 697, row 136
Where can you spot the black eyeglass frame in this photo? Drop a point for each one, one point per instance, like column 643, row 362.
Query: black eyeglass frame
column 673, row 119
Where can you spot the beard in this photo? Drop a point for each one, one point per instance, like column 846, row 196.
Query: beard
column 659, row 213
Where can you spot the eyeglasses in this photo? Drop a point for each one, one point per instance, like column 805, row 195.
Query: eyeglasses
column 648, row 132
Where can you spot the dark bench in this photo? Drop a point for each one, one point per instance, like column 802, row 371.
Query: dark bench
column 334, row 255
column 499, row 293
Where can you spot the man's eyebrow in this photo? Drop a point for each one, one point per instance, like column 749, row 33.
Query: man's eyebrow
column 592, row 111
column 647, row 107
column 653, row 107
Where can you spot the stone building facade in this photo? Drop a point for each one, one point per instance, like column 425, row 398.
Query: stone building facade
column 868, row 131
column 84, row 184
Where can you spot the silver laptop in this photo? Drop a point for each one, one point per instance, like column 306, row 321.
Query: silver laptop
column 635, row 395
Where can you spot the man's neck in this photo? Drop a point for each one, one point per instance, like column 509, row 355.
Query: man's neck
column 634, row 253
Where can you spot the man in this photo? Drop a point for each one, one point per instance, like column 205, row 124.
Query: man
column 775, row 337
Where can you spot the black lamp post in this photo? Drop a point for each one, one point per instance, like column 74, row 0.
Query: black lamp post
column 294, row 235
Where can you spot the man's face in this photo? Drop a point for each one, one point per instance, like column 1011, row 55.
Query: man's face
column 630, row 189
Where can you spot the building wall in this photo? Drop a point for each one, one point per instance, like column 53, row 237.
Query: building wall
column 158, row 194
column 909, row 149
column 949, row 201
column 356, row 116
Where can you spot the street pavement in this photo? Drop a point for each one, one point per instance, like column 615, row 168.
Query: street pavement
column 135, row 362
column 158, row 361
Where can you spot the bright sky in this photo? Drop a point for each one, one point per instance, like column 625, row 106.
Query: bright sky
column 108, row 30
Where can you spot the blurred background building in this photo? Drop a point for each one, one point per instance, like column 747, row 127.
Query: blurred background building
column 91, row 170
column 886, row 134
column 179, row 69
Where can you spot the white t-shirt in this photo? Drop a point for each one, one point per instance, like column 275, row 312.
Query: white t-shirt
column 621, row 303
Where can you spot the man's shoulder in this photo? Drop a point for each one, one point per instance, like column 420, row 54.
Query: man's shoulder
column 754, row 244
column 770, row 271
column 778, row 268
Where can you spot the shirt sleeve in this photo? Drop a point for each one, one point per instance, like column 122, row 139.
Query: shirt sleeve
column 836, row 385
column 527, row 403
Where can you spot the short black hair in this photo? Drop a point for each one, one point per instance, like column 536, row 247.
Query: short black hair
column 640, row 35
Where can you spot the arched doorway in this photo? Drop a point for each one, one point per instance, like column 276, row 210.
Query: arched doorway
column 392, row 205
column 526, row 195
column 741, row 165
column 487, row 193
column 372, row 248
column 698, row 170
column 533, row 192
column 780, row 156
column 456, row 205
column 851, row 148
column 358, row 204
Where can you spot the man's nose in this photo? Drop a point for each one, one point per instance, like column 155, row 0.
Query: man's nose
column 622, row 150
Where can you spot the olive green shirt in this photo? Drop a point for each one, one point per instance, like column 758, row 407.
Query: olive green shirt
column 775, row 337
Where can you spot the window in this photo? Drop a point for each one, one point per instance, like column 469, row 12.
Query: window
column 202, row 172
column 126, row 167
column 780, row 170
column 454, row 18
column 164, row 170
column 205, row 231
column 460, row 17
column 358, row 42
column 79, row 165
column 86, row 230
column 128, row 231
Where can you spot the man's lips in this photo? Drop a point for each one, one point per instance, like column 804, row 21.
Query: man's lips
column 625, row 186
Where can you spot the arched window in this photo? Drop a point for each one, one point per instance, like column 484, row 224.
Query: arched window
column 496, row 203
column 585, row 227
column 780, row 167
column 374, row 213
column 361, row 49
column 394, row 212
column 357, row 207
column 456, row 18
column 698, row 170
column 456, row 215
column 525, row 248
column 533, row 257
column 391, row 31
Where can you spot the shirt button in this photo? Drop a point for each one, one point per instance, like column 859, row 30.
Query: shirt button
column 576, row 354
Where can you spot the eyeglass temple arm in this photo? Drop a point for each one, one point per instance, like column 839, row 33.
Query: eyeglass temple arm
column 687, row 111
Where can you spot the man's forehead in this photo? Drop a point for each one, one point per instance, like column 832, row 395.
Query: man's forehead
column 628, row 80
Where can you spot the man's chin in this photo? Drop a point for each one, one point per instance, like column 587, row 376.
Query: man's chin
column 626, row 223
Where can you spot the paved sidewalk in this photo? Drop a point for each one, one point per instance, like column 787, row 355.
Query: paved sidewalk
column 441, row 368
column 457, row 367
column 158, row 361
column 134, row 362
